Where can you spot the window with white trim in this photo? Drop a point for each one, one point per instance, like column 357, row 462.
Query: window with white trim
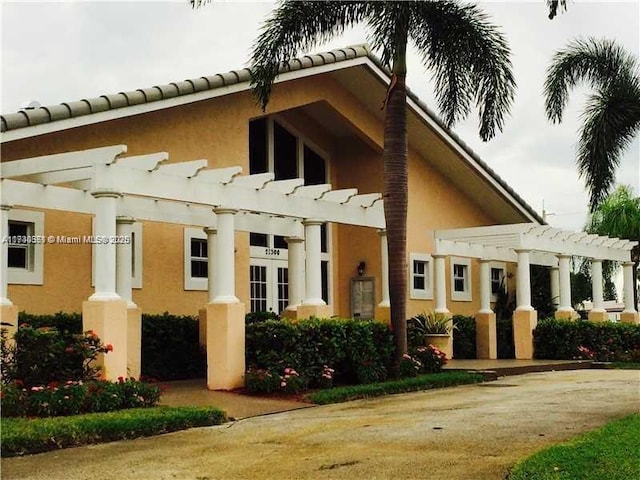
column 498, row 279
column 277, row 147
column 421, row 275
column 25, row 247
column 460, row 279
column 196, row 261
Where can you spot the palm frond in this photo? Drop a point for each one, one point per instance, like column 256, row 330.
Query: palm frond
column 295, row 26
column 554, row 5
column 469, row 59
column 388, row 24
column 595, row 62
column 610, row 121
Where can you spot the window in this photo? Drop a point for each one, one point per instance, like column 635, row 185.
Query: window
column 196, row 261
column 278, row 148
column 199, row 268
column 460, row 279
column 421, row 274
column 498, row 280
column 25, row 249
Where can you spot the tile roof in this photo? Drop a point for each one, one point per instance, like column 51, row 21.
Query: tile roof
column 46, row 114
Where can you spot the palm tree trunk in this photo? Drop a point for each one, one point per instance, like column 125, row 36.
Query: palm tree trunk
column 396, row 200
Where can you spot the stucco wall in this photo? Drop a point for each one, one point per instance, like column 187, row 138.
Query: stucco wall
column 217, row 129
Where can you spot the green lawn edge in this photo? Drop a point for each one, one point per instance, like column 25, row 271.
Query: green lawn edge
column 21, row 436
column 412, row 384
column 611, row 452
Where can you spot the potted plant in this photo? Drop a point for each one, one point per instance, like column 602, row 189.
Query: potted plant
column 436, row 327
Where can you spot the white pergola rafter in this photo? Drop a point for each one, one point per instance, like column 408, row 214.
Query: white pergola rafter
column 543, row 241
column 182, row 192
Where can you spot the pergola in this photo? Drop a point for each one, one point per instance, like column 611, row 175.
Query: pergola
column 541, row 245
column 118, row 190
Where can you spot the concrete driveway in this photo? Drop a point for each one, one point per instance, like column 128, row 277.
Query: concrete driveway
column 469, row 432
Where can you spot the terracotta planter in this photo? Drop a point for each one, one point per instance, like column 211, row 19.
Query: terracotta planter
column 442, row 341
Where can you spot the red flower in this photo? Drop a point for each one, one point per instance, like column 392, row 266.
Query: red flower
column 120, row 379
column 19, row 382
column 109, row 347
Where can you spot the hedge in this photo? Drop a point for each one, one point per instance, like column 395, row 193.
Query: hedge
column 22, row 436
column 170, row 343
column 464, row 337
column 360, row 351
column 603, row 341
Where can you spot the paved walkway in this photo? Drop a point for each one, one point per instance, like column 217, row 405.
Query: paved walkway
column 195, row 392
column 472, row 432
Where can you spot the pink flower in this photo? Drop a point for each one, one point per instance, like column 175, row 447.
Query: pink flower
column 283, row 384
column 109, row 347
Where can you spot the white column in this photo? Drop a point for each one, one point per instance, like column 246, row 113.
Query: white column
column 440, row 284
column 313, row 274
column 596, row 285
column 523, row 283
column 555, row 286
column 4, row 232
column 224, row 274
column 565, row 284
column 105, row 249
column 296, row 271
column 485, row 286
column 384, row 267
column 212, row 281
column 123, row 260
column 627, row 275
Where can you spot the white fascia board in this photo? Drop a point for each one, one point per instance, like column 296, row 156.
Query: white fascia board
column 492, row 230
column 41, row 129
column 62, row 161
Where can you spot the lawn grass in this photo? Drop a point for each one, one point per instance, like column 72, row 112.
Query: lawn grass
column 627, row 365
column 26, row 436
column 611, row 452
column 421, row 382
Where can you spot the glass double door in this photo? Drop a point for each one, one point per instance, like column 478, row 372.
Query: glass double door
column 269, row 285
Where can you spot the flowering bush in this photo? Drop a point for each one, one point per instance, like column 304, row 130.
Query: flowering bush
column 605, row 341
column 431, row 358
column 326, row 377
column 266, row 381
column 409, row 366
column 43, row 355
column 74, row 397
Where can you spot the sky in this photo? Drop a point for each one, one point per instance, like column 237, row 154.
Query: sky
column 54, row 52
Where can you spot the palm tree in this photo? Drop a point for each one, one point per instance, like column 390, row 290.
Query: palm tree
column 618, row 215
column 611, row 118
column 470, row 62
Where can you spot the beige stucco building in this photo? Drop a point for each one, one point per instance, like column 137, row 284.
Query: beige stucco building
column 324, row 125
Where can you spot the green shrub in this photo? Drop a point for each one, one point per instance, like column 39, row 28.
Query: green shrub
column 504, row 338
column 359, row 351
column 43, row 355
column 75, row 396
column 22, row 436
column 171, row 348
column 464, row 337
column 66, row 323
column 601, row 341
column 412, row 384
column 253, row 317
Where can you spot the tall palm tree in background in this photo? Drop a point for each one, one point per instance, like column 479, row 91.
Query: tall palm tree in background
column 469, row 59
column 611, row 118
column 618, row 215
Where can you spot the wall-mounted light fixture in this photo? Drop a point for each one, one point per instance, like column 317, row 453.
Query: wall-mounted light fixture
column 361, row 266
